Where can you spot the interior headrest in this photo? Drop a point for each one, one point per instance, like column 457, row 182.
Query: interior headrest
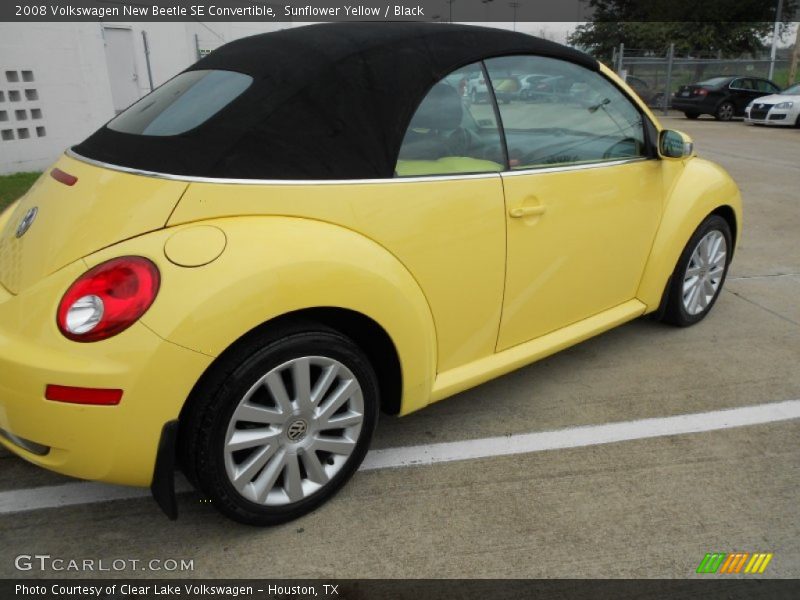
column 441, row 109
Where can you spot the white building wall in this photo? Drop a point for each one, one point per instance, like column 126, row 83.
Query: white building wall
column 69, row 84
column 70, row 94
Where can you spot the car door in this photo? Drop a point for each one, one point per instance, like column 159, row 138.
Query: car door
column 583, row 201
column 743, row 90
column 445, row 216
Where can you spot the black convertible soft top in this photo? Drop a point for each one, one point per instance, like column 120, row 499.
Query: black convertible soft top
column 329, row 101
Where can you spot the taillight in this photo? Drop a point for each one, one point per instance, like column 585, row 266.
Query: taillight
column 702, row 92
column 108, row 299
column 63, row 177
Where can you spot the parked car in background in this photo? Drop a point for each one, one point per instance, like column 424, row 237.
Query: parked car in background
column 651, row 96
column 721, row 97
column 505, row 88
column 782, row 108
column 528, row 84
column 553, row 88
column 476, row 89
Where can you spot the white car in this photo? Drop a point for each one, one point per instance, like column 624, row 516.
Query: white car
column 782, row 108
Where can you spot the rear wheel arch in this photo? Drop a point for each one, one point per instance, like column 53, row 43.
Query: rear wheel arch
column 345, row 281
column 371, row 337
column 367, row 334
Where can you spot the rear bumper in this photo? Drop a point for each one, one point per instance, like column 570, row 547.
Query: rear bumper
column 116, row 444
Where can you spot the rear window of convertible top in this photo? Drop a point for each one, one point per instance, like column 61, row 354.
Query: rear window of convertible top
column 183, row 103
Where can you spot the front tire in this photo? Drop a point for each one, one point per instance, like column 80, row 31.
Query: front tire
column 286, row 428
column 700, row 273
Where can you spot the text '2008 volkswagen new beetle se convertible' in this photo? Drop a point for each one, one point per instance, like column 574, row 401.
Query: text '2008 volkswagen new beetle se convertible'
column 237, row 273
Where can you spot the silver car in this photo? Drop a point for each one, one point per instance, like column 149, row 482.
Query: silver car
column 782, row 108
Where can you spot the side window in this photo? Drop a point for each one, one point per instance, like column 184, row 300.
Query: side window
column 737, row 84
column 449, row 133
column 186, row 101
column 568, row 115
column 762, row 85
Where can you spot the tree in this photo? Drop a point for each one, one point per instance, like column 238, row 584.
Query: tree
column 698, row 27
column 795, row 57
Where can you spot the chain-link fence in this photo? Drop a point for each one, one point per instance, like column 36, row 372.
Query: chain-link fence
column 656, row 76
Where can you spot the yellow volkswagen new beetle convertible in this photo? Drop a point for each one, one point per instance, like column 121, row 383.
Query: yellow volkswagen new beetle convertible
column 234, row 275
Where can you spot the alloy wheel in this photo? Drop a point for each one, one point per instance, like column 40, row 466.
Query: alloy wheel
column 725, row 112
column 704, row 272
column 293, row 430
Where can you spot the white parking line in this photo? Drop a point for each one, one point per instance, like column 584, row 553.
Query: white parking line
column 576, row 437
column 70, row 494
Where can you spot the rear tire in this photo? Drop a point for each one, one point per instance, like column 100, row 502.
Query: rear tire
column 700, row 273
column 691, row 115
column 278, row 389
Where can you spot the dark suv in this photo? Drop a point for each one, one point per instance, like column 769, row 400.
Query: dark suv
column 722, row 97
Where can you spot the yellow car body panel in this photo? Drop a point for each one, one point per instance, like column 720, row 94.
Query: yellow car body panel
column 448, row 234
column 424, row 258
column 101, row 209
column 110, row 443
column 477, row 372
column 270, row 269
column 585, row 252
column 5, row 214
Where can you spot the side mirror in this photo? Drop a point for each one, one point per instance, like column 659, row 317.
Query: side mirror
column 674, row 144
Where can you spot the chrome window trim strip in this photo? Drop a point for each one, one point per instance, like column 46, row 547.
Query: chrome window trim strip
column 456, row 177
column 193, row 179
column 581, row 167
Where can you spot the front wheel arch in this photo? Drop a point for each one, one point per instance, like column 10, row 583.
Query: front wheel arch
column 700, row 188
column 727, row 213
column 672, row 309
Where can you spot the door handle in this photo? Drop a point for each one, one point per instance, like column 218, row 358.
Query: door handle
column 527, row 211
